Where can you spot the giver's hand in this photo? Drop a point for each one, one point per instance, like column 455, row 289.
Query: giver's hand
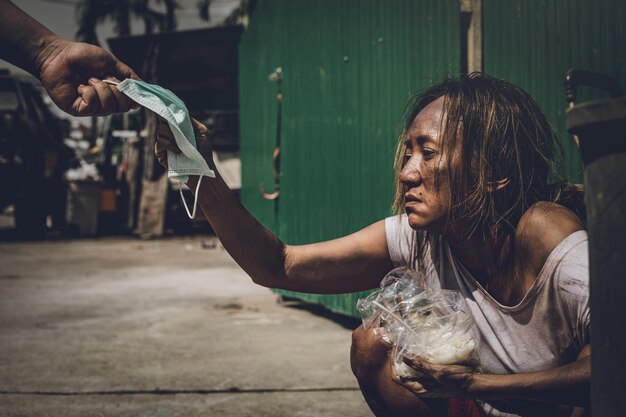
column 72, row 72
column 166, row 142
column 438, row 381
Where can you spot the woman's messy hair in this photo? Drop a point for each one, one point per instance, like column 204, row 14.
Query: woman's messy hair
column 492, row 131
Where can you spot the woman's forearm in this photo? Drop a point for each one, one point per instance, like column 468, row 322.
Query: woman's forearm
column 22, row 38
column 352, row 263
column 255, row 248
column 569, row 385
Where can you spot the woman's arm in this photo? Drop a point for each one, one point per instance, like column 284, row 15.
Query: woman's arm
column 351, row 263
column 568, row 385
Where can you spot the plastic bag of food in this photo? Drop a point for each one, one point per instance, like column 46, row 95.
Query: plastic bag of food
column 436, row 325
column 379, row 308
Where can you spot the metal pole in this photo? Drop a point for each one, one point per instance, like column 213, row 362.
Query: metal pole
column 601, row 130
column 471, row 20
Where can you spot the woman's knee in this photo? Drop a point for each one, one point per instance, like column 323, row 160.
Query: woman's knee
column 368, row 354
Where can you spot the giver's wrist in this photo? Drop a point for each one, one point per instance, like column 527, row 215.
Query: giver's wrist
column 22, row 38
column 44, row 49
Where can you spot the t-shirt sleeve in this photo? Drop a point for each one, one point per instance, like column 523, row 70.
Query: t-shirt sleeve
column 399, row 237
column 572, row 276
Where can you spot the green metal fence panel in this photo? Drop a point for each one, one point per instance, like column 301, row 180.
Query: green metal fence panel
column 349, row 68
column 258, row 57
column 532, row 43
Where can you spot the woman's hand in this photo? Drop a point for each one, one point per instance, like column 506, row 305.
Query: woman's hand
column 166, row 142
column 437, row 381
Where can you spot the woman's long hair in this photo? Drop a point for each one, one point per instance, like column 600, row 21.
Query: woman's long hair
column 492, row 130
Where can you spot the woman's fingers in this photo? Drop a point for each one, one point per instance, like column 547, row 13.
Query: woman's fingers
column 165, row 137
column 442, row 380
column 430, row 375
column 199, row 128
column 426, row 383
column 201, row 132
column 438, row 372
column 165, row 142
column 161, row 154
column 203, row 142
column 412, row 385
column 419, row 364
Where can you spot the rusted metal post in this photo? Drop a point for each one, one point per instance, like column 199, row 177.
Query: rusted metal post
column 601, row 130
column 471, row 35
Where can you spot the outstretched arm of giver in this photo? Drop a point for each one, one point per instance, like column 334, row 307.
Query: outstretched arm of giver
column 352, row 263
column 22, row 38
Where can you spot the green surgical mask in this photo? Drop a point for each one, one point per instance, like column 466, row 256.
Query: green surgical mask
column 167, row 105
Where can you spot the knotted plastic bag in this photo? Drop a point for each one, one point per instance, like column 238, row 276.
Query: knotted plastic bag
column 434, row 324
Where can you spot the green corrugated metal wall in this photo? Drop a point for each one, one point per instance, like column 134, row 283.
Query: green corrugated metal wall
column 349, row 69
column 533, row 42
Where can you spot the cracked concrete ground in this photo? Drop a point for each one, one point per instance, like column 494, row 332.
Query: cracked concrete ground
column 121, row 327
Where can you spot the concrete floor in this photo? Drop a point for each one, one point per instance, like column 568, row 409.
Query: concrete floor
column 173, row 327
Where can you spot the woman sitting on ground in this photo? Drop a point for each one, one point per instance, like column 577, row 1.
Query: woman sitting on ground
column 480, row 216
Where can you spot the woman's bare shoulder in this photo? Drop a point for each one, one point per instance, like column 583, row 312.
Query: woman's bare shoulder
column 542, row 227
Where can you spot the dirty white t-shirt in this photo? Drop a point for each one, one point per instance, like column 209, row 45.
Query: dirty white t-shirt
column 547, row 329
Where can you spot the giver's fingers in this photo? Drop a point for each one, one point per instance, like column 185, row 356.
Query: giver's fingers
column 124, row 103
column 165, row 137
column 111, row 99
column 121, row 72
column 87, row 102
column 100, row 99
column 104, row 92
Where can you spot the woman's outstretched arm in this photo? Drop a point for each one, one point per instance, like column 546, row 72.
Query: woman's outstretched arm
column 351, row 263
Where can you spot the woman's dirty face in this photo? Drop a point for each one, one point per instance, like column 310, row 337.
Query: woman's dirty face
column 424, row 173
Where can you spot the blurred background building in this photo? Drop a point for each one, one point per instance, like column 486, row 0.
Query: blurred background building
column 84, row 176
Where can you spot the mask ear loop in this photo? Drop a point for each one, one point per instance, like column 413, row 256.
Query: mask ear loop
column 195, row 199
